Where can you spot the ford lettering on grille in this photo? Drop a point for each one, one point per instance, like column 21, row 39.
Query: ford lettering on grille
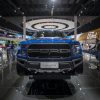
column 56, row 51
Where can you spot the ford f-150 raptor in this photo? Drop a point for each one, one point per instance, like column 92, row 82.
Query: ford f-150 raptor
column 49, row 55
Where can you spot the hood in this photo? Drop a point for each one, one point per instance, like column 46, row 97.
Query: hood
column 47, row 40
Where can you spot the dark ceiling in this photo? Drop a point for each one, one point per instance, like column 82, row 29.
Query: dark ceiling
column 11, row 11
column 49, row 7
column 17, row 20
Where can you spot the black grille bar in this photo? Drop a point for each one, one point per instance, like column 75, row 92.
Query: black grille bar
column 49, row 46
column 49, row 50
column 48, row 55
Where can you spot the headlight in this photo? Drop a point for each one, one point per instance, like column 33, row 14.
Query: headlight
column 23, row 52
column 76, row 49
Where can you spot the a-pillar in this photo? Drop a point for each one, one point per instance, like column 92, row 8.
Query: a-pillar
column 24, row 27
column 75, row 27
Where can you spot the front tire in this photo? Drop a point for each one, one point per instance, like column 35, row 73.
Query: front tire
column 79, row 69
column 21, row 71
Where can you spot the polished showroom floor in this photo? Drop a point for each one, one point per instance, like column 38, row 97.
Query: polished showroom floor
column 81, row 87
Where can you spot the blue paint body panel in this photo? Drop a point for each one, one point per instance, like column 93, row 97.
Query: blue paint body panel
column 51, row 40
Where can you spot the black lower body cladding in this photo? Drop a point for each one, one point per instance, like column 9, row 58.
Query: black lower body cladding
column 64, row 71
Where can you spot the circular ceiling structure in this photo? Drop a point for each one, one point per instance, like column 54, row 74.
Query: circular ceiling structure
column 50, row 24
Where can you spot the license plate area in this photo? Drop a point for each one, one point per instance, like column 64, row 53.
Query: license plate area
column 49, row 65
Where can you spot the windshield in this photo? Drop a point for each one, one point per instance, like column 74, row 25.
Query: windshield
column 50, row 34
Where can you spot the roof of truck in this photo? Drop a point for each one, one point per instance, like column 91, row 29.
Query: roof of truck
column 49, row 40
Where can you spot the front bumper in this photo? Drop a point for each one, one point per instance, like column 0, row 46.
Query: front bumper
column 64, row 66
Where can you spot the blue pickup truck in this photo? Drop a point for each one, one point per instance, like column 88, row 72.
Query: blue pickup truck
column 49, row 55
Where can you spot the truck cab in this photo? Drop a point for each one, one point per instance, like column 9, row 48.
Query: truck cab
column 49, row 55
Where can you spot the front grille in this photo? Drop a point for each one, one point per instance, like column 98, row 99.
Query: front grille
column 49, row 50
column 49, row 46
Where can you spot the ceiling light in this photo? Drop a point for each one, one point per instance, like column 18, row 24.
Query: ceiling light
column 23, row 13
column 46, row 6
column 81, row 12
column 18, row 8
column 45, row 24
column 53, row 0
column 15, row 11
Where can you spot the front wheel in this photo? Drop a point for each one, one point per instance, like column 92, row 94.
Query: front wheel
column 21, row 71
column 79, row 69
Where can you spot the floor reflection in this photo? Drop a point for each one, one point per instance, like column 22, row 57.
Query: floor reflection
column 51, row 88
